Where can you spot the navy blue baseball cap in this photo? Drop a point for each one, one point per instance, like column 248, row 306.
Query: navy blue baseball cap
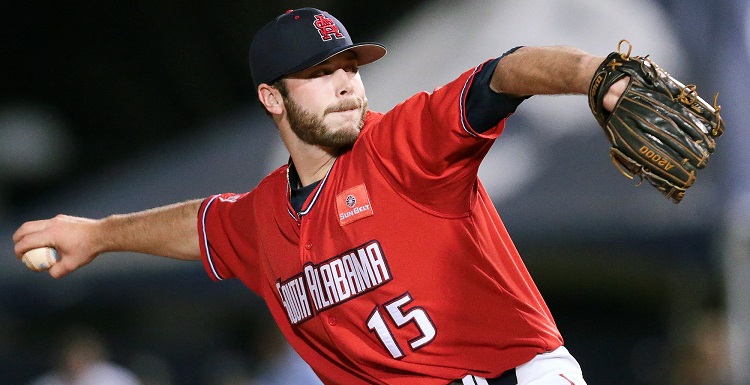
column 300, row 39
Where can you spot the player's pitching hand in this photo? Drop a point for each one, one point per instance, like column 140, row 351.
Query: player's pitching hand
column 614, row 93
column 74, row 238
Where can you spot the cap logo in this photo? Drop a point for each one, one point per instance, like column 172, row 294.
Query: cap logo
column 327, row 28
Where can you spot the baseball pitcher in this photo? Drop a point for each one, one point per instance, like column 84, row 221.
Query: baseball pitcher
column 376, row 248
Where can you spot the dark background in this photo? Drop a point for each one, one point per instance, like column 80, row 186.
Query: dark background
column 125, row 75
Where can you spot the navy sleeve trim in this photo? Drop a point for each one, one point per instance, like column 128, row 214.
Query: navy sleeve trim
column 486, row 108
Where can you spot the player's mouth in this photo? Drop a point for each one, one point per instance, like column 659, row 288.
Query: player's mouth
column 345, row 106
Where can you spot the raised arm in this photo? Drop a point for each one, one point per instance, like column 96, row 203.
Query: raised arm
column 549, row 71
column 659, row 128
column 168, row 231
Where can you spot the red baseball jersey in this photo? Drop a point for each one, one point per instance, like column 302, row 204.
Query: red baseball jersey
column 398, row 269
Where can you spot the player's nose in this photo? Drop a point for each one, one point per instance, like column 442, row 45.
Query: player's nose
column 343, row 82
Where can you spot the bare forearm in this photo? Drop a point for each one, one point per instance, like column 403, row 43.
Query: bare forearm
column 168, row 231
column 545, row 71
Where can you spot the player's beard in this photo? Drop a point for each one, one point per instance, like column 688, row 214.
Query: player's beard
column 311, row 128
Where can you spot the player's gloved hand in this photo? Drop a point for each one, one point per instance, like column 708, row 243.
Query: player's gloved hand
column 659, row 129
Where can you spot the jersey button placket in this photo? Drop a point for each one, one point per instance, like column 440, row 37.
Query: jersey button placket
column 305, row 241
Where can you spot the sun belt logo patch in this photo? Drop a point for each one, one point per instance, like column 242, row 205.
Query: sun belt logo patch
column 327, row 28
column 353, row 204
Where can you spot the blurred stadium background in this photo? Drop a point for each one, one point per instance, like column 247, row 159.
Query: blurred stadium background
column 110, row 107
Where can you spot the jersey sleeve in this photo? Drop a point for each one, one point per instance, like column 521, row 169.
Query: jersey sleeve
column 429, row 150
column 485, row 108
column 228, row 249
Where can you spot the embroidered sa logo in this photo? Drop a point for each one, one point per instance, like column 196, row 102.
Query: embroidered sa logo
column 327, row 28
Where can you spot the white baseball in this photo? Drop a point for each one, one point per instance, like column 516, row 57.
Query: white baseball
column 40, row 259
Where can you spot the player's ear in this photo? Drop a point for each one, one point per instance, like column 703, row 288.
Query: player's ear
column 270, row 98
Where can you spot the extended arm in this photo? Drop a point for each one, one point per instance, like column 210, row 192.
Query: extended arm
column 549, row 71
column 169, row 231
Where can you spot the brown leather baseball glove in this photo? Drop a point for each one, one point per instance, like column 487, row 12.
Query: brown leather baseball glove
column 660, row 129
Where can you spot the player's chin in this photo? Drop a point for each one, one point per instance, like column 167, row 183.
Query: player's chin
column 342, row 139
column 348, row 126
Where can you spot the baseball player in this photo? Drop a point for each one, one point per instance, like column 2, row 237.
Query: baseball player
column 376, row 248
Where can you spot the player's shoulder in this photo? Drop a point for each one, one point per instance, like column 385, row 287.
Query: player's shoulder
column 267, row 188
column 371, row 119
column 275, row 177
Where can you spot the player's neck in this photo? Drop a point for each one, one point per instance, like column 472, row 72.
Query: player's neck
column 312, row 163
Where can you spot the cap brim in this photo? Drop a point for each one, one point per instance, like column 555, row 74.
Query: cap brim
column 366, row 54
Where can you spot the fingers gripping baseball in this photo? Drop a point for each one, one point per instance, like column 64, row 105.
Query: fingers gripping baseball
column 73, row 238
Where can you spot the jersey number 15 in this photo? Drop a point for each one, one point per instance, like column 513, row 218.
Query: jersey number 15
column 400, row 317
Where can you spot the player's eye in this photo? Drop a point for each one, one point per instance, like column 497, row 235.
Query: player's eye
column 328, row 70
column 320, row 72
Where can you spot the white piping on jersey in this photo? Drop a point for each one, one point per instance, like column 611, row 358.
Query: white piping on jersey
column 291, row 214
column 205, row 239
column 462, row 100
column 289, row 190
column 315, row 197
